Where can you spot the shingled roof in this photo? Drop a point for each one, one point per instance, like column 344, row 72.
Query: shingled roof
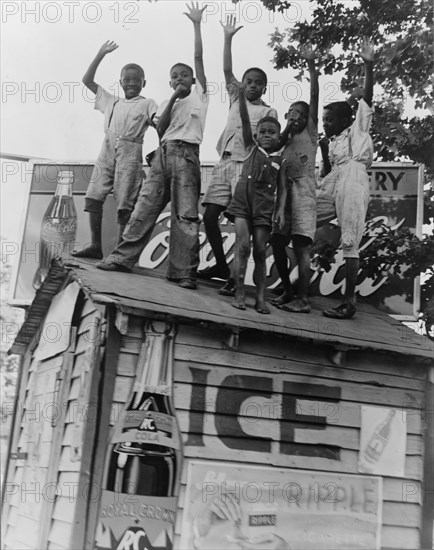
column 146, row 292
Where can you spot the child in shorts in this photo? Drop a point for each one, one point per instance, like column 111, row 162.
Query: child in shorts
column 119, row 164
column 299, row 184
column 344, row 191
column 174, row 175
column 232, row 151
column 253, row 204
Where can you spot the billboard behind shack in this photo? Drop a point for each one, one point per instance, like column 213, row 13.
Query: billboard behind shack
column 396, row 200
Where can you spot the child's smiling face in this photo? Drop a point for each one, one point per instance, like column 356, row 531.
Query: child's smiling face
column 132, row 82
column 297, row 117
column 268, row 135
column 181, row 75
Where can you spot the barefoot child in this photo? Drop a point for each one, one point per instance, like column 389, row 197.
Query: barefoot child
column 174, row 175
column 119, row 165
column 252, row 206
column 344, row 192
column 299, row 171
column 232, row 151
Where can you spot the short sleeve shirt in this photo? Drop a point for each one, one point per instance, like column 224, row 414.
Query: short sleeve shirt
column 125, row 117
column 231, row 139
column 300, row 152
column 355, row 142
column 187, row 119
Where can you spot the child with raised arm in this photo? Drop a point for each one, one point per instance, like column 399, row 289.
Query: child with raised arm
column 232, row 151
column 344, row 192
column 174, row 175
column 299, row 154
column 119, row 164
column 253, row 204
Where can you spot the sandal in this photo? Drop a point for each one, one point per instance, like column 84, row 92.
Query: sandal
column 343, row 311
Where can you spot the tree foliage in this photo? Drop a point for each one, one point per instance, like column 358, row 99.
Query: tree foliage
column 402, row 34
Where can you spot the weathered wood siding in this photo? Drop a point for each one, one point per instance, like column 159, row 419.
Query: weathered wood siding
column 45, row 482
column 271, row 375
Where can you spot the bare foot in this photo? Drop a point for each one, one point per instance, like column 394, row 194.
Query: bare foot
column 284, row 298
column 239, row 303
column 91, row 251
column 261, row 307
column 300, row 305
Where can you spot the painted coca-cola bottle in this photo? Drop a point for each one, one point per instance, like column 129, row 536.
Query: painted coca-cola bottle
column 143, row 464
column 59, row 227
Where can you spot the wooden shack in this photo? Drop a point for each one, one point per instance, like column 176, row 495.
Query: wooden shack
column 285, row 419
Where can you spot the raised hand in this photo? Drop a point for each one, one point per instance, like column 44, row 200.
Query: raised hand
column 108, row 47
column 307, row 51
column 367, row 50
column 195, row 13
column 230, row 27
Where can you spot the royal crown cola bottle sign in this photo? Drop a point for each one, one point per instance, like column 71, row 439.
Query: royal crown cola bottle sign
column 141, row 477
column 371, row 453
column 58, row 228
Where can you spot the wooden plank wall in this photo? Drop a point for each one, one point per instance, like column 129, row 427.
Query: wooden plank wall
column 273, row 371
column 38, row 424
column 29, row 478
column 79, row 411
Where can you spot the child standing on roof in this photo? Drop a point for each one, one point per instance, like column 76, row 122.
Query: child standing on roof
column 174, row 175
column 232, row 150
column 253, row 204
column 299, row 184
column 119, row 164
column 344, row 192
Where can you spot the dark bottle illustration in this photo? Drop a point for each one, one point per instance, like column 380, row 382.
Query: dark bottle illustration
column 372, row 452
column 143, row 463
column 59, row 227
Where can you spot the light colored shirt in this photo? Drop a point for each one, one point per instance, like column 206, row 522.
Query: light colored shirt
column 125, row 117
column 187, row 119
column 354, row 143
column 300, row 151
column 231, row 139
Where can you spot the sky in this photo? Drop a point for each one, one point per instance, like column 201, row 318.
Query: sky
column 46, row 47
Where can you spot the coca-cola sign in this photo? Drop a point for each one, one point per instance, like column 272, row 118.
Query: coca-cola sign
column 396, row 201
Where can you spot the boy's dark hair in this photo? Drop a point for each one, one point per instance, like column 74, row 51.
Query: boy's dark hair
column 341, row 108
column 138, row 68
column 303, row 103
column 270, row 119
column 260, row 71
column 182, row 65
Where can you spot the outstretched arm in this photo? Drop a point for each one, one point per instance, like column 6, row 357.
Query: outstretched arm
column 367, row 54
column 245, row 119
column 229, row 30
column 308, row 53
column 89, row 76
column 195, row 15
